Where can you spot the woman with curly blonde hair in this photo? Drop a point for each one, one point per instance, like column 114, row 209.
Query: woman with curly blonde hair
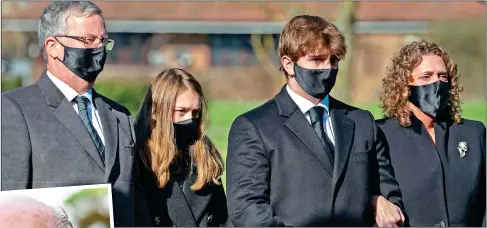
column 438, row 157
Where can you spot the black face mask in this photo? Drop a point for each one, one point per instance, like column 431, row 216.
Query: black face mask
column 431, row 98
column 87, row 63
column 315, row 82
column 186, row 132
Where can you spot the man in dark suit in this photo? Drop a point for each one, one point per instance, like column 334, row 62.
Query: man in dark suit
column 61, row 132
column 305, row 158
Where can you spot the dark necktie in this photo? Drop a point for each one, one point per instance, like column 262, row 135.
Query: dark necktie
column 316, row 115
column 83, row 113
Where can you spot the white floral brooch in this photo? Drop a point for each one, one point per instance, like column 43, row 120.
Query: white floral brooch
column 462, row 149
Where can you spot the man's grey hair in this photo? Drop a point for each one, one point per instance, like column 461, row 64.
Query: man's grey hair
column 62, row 220
column 53, row 19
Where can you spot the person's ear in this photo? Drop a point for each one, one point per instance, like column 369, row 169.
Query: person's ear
column 287, row 65
column 53, row 48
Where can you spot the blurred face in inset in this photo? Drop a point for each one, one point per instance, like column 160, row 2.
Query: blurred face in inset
column 187, row 106
column 431, row 69
column 26, row 213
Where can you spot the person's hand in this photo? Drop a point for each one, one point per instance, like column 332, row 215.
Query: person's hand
column 386, row 213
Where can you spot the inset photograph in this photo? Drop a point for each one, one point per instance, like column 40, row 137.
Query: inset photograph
column 86, row 206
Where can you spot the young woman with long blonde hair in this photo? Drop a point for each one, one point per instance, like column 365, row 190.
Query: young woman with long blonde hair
column 179, row 166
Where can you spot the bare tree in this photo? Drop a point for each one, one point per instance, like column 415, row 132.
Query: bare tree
column 264, row 50
column 264, row 45
column 346, row 23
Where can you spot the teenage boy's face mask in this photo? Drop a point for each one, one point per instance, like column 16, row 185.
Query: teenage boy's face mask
column 315, row 82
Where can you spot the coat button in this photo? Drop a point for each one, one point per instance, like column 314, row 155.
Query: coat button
column 210, row 218
column 157, row 220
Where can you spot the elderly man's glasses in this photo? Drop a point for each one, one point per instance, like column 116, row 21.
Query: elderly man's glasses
column 91, row 41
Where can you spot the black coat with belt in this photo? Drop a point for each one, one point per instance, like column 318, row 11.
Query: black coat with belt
column 440, row 185
column 177, row 205
column 278, row 173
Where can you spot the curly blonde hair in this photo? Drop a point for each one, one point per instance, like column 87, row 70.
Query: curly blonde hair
column 395, row 85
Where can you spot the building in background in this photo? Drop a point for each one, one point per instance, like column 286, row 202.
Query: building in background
column 214, row 39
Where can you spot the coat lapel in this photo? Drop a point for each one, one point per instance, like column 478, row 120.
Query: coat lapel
column 65, row 113
column 344, row 128
column 441, row 136
column 298, row 124
column 417, row 133
column 178, row 208
column 198, row 200
column 109, row 124
column 420, row 130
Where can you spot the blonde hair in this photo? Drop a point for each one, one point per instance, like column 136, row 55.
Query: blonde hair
column 155, row 131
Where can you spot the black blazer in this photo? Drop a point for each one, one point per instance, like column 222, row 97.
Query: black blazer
column 438, row 186
column 176, row 205
column 278, row 173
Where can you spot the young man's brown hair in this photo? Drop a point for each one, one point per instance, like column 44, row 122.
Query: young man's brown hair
column 310, row 34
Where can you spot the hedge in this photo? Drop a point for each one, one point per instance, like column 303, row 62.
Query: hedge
column 9, row 83
column 127, row 93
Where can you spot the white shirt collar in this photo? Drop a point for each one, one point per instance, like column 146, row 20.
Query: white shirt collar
column 304, row 104
column 68, row 92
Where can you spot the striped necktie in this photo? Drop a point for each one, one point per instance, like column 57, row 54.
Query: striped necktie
column 316, row 116
column 83, row 113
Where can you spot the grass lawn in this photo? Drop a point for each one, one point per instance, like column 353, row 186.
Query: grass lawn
column 223, row 113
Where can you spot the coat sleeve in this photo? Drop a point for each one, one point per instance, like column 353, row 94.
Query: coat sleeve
column 248, row 177
column 16, row 147
column 483, row 176
column 221, row 211
column 388, row 186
